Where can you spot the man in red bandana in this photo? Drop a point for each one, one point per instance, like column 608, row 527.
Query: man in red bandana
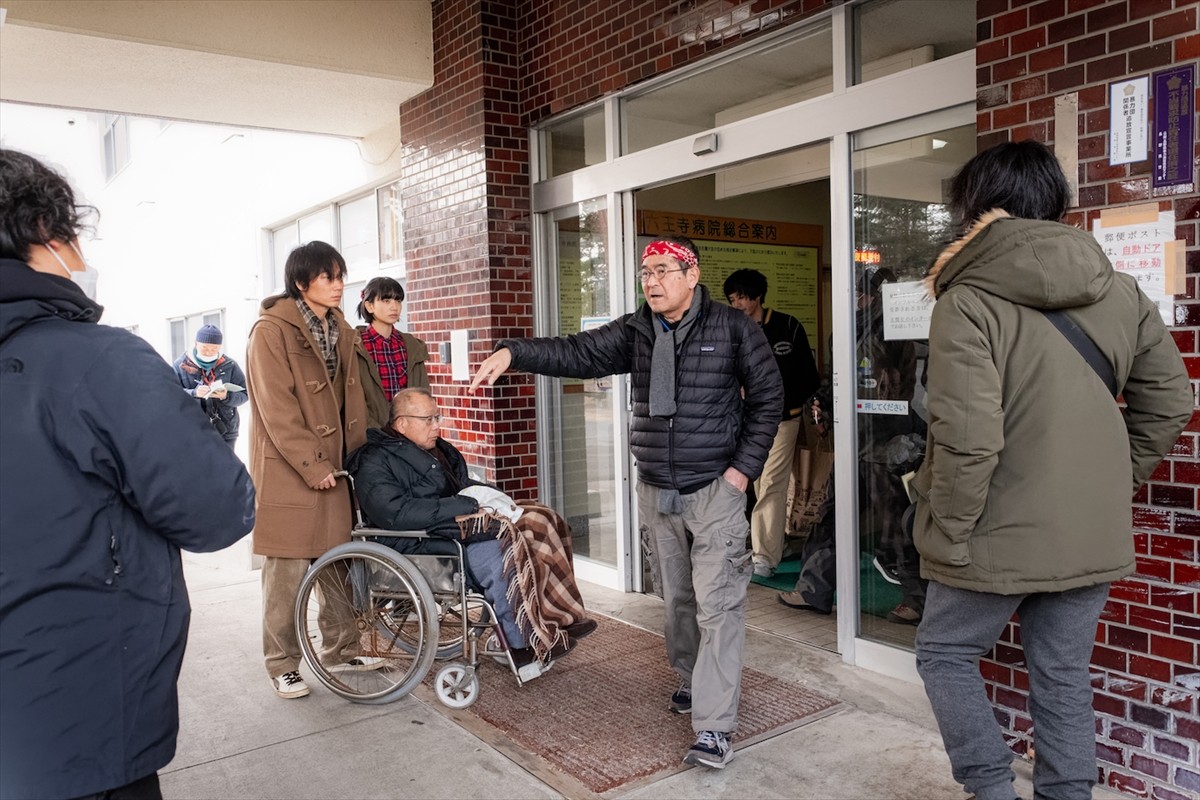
column 707, row 399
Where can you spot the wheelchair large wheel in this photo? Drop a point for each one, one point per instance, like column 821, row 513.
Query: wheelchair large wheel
column 353, row 603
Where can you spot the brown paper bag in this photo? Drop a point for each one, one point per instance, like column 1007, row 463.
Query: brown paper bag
column 811, row 482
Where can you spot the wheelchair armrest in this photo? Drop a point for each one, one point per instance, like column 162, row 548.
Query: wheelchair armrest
column 373, row 532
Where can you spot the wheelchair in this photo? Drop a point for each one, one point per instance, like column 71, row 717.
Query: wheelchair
column 363, row 598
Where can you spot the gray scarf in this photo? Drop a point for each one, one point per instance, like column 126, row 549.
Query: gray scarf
column 662, row 361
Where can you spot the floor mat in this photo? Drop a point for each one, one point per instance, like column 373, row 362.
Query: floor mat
column 878, row 597
column 600, row 714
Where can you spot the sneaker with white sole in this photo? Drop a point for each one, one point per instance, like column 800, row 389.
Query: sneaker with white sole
column 290, row 685
column 681, row 699
column 763, row 568
column 359, row 664
column 712, row 749
column 888, row 571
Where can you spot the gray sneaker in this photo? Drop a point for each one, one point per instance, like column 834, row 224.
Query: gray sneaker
column 763, row 568
column 712, row 749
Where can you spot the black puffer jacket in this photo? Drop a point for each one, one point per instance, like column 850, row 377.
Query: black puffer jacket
column 713, row 428
column 107, row 469
column 401, row 487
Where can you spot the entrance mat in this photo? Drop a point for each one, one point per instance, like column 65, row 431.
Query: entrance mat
column 600, row 714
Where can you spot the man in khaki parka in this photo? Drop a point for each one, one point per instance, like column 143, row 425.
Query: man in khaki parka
column 309, row 411
column 1025, row 494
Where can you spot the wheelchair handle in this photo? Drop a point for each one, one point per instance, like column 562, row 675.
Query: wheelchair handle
column 358, row 515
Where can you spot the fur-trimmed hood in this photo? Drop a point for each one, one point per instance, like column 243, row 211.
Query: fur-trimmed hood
column 1033, row 263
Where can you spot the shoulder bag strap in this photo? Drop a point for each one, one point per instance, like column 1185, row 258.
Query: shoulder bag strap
column 1086, row 347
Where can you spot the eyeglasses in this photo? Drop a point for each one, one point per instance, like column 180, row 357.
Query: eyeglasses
column 432, row 418
column 658, row 272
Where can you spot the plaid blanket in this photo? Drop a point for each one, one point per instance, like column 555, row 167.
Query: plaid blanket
column 537, row 562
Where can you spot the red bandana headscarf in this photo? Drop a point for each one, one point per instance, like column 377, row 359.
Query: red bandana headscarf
column 675, row 251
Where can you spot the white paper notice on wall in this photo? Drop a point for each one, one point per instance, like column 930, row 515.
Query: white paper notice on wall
column 459, row 360
column 906, row 310
column 1136, row 240
column 1128, row 120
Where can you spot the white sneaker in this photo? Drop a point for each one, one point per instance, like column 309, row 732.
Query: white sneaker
column 359, row 664
column 290, row 685
column 763, row 568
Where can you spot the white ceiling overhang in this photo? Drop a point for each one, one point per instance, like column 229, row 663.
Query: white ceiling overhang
column 340, row 68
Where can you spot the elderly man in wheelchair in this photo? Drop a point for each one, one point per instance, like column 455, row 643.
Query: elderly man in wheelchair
column 408, row 482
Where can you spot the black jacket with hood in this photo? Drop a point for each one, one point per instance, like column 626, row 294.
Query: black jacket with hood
column 107, row 469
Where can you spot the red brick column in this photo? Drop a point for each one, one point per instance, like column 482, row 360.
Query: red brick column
column 1145, row 671
column 466, row 227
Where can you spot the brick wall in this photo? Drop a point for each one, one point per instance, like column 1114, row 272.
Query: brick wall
column 465, row 195
column 1145, row 672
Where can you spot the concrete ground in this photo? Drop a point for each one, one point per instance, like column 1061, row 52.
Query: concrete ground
column 238, row 740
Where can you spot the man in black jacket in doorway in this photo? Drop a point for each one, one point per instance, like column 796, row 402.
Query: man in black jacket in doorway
column 707, row 399
column 746, row 290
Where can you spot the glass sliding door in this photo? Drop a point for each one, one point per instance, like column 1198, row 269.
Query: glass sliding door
column 579, row 434
column 900, row 225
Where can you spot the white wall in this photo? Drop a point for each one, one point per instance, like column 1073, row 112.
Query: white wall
column 181, row 228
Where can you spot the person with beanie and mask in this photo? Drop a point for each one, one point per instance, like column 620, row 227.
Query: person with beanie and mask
column 215, row 380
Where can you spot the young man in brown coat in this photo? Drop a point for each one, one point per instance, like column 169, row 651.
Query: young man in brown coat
column 309, row 411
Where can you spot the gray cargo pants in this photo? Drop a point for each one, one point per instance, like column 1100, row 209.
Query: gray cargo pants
column 704, row 570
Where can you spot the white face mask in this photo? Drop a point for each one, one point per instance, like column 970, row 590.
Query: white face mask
column 85, row 279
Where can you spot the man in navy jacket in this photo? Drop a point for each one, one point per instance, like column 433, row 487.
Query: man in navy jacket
column 107, row 469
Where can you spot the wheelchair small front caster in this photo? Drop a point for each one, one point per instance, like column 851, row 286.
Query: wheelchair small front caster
column 457, row 685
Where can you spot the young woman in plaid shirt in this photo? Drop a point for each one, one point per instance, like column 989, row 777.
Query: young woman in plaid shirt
column 389, row 360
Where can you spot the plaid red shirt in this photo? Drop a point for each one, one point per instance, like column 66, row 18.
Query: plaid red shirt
column 391, row 356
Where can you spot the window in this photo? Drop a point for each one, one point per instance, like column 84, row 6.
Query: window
column 183, row 329
column 391, row 245
column 894, row 35
column 901, row 223
column 754, row 82
column 116, row 144
column 367, row 230
column 317, row 227
column 358, row 231
column 574, row 143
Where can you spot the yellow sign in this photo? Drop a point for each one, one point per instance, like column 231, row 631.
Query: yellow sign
column 728, row 229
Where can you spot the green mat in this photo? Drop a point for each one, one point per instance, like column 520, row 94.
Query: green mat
column 878, row 596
